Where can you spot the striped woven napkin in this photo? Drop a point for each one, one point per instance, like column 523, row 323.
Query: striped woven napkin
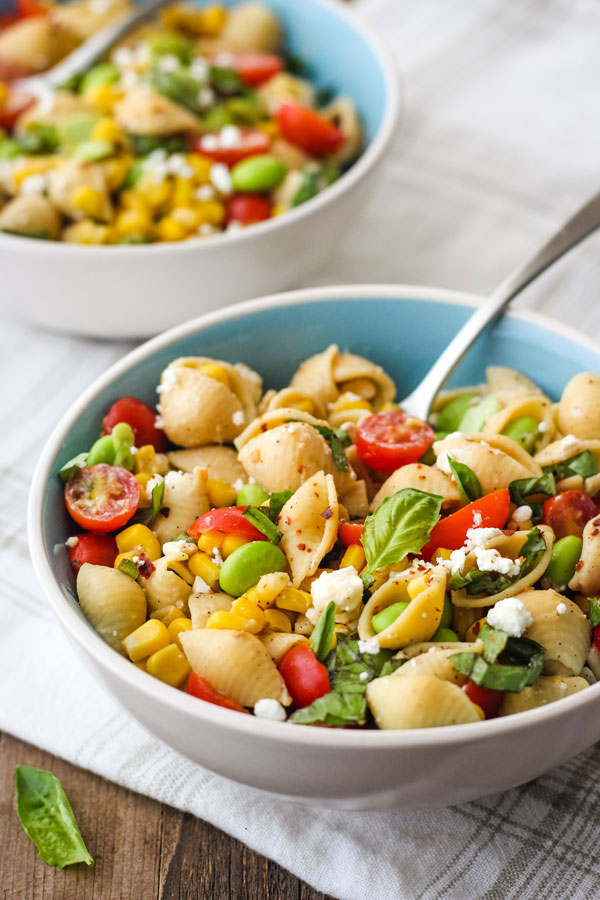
column 499, row 143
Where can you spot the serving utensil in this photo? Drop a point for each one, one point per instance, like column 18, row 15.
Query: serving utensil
column 584, row 222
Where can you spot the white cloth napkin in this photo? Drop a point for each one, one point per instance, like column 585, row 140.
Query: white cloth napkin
column 499, row 142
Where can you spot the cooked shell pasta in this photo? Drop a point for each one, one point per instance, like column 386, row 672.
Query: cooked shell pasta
column 565, row 635
column 419, row 620
column 278, row 643
column 308, row 535
column 219, row 461
column 436, row 661
column 587, row 575
column 164, row 587
column 422, row 478
column 579, row 407
column 201, row 606
column 421, row 701
column 495, row 459
column 546, row 689
column 535, row 406
column 113, row 602
column 184, row 500
column 508, row 384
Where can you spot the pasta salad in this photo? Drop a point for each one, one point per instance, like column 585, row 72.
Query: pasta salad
column 314, row 554
column 198, row 123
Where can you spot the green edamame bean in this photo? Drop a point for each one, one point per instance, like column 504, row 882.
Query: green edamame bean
column 258, row 173
column 565, row 556
column 476, row 416
column 243, row 568
column 123, row 439
column 385, row 617
column 102, row 451
column 251, row 495
column 446, row 620
column 450, row 417
column 444, row 635
column 523, row 430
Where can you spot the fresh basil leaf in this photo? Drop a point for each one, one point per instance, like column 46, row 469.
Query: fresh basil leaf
column 320, row 639
column 523, row 488
column 467, row 482
column 276, row 504
column 69, row 468
column 309, row 187
column 583, row 464
column 594, row 611
column 476, row 582
column 263, row 523
column 532, row 551
column 46, row 815
column 226, row 81
column 494, row 642
column 163, row 43
column 391, row 666
column 400, row 525
column 177, row 86
column 39, row 138
column 144, row 144
column 334, row 708
column 128, row 567
column 507, row 664
column 337, row 439
column 145, row 516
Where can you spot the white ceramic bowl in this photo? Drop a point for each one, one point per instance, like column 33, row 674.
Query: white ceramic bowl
column 337, row 768
column 136, row 291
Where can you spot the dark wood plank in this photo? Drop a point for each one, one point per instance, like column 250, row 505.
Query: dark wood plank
column 143, row 849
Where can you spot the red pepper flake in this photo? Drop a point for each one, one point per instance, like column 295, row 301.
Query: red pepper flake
column 579, row 565
column 302, row 547
column 145, row 565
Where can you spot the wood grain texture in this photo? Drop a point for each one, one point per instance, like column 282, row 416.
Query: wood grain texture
column 143, row 850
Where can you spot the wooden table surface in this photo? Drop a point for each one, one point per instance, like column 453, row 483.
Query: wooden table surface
column 143, row 850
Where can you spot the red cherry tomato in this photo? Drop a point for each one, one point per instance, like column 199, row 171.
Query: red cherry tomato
column 16, row 103
column 305, row 677
column 486, row 698
column 26, row 8
column 97, row 549
column 102, row 498
column 568, row 512
column 351, row 532
column 308, row 130
column 142, row 419
column 597, row 638
column 229, row 519
column 388, row 440
column 248, row 209
column 451, row 532
column 252, row 141
column 253, row 68
column 201, row 689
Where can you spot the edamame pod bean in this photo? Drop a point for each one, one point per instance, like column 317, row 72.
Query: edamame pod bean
column 565, row 556
column 450, row 417
column 444, row 635
column 243, row 568
column 251, row 495
column 123, row 438
column 446, row 620
column 476, row 416
column 384, row 619
column 102, row 451
column 523, row 430
column 258, row 173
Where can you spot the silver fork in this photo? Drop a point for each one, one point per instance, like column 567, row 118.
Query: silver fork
column 584, row 222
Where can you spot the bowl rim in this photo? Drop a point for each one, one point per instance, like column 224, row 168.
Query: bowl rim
column 342, row 740
column 363, row 165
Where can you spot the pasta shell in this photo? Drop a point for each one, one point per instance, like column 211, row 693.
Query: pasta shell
column 144, row 111
column 307, row 535
column 587, row 576
column 508, row 384
column 356, row 500
column 566, row 637
column 579, row 407
column 419, row 620
column 535, row 406
column 422, row 478
column 164, row 587
column 278, row 643
column 274, row 418
column 219, row 461
column 184, row 500
column 236, row 663
column 436, row 661
column 292, row 398
column 315, row 377
column 494, row 458
column 342, row 113
column 252, row 26
column 422, row 701
column 113, row 602
column 546, row 689
column 462, row 619
column 30, row 214
column 349, row 371
column 203, row 605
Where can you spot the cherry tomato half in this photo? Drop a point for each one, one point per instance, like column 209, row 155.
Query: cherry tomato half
column 307, row 129
column 26, row 8
column 253, row 68
column 451, row 532
column 201, row 689
column 486, row 698
column 229, row 519
column 102, row 498
column 252, row 142
column 142, row 419
column 248, row 209
column 305, row 677
column 97, row 549
column 387, row 440
column 568, row 512
column 351, row 532
column 597, row 638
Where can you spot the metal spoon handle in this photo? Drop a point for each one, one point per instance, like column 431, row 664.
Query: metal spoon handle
column 586, row 220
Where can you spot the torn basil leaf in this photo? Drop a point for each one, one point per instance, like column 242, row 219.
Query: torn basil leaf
column 583, row 464
column 467, row 482
column 69, row 468
column 320, row 639
column 367, row 579
column 400, row 525
column 264, row 524
column 594, row 611
column 337, row 439
column 276, row 504
column 178, row 86
column 145, row 516
column 518, row 664
column 523, row 488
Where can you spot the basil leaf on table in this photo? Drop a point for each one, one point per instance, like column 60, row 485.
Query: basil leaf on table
column 583, row 464
column 70, row 467
column 264, row 524
column 46, row 815
column 467, row 482
column 276, row 504
column 320, row 639
column 400, row 525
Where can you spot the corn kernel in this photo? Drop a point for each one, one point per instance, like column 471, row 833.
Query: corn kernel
column 167, row 614
column 267, row 589
column 35, row 165
column 145, row 640
column 416, row 586
column 176, row 627
column 277, row 620
column 226, row 620
column 129, row 554
column 294, row 600
column 210, row 541
column 107, row 130
column 201, row 166
column 87, row 232
column 216, row 372
column 213, row 19
column 89, row 201
column 212, row 212
column 441, row 553
column 130, row 199
column 145, row 459
column 181, row 569
column 131, row 222
column 115, row 170
column 169, row 665
column 155, row 194
column 306, row 406
column 105, row 97
column 201, row 564
column 139, row 537
column 345, row 402
column 145, row 501
column 480, row 712
column 220, row 493
column 140, row 664
column 277, row 210
column 169, row 230
column 233, row 542
column 271, row 128
column 353, row 556
column 250, row 610
column 183, row 192
column 206, row 22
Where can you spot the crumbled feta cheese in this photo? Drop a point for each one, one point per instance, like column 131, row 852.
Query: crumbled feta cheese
column 269, row 709
column 71, row 542
column 363, row 676
column 171, row 547
column 178, row 165
column 477, row 537
column 216, row 556
column 224, row 59
column 123, row 58
column 371, row 646
column 198, row 69
column 169, row 381
column 522, row 514
column 207, row 229
column 152, row 482
column 542, row 427
column 238, row 417
column 206, row 97
column 492, row 561
column 238, row 484
column 168, row 63
column 234, row 226
column 456, row 562
column 344, row 587
column 443, row 463
column 231, row 137
column 34, row 184
column 200, row 586
column 477, row 519
column 510, row 615
column 136, row 559
column 209, row 142
column 205, row 191
column 455, row 434
column 292, row 428
column 129, row 77
column 561, row 609
column 46, row 101
column 569, row 442
column 173, row 478
column 220, row 178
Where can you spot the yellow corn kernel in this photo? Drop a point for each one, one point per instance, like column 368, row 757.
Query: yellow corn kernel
column 211, row 212
column 183, row 192
column 131, row 222
column 140, row 664
column 353, row 556
column 201, row 166
column 277, row 620
column 416, row 586
column 265, row 592
column 145, row 459
column 89, row 201
column 187, row 216
column 220, row 493
column 147, row 639
column 87, row 232
column 182, row 570
column 176, row 627
column 130, row 199
column 216, row 372
column 105, row 97
column 35, row 165
column 201, row 564
column 156, row 194
column 115, row 171
column 210, row 541
column 294, row 600
column 304, row 406
column 139, row 537
column 345, row 402
column 248, row 609
column 107, row 130
column 145, row 501
column 364, row 387
column 213, row 19
column 169, row 665
column 226, row 620
column 233, row 542
column 473, row 630
column 206, row 22
column 480, row 712
column 277, row 210
column 169, row 230
column 3, row 93
column 168, row 614
column 441, row 553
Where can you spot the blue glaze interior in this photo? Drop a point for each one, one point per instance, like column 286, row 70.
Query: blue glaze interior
column 403, row 335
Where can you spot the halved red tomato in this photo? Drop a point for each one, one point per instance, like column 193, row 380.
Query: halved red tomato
column 486, row 698
column 308, row 130
column 142, row 419
column 387, row 440
column 200, row 688
column 102, row 498
column 253, row 68
column 490, row 511
column 97, row 549
column 229, row 519
column 351, row 532
column 26, row 8
column 305, row 677
column 248, row 209
column 251, row 142
column 568, row 512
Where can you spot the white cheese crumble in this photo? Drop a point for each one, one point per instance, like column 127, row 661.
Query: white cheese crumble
column 198, row 69
column 205, row 192
column 477, row 537
column 34, row 184
column 173, row 478
column 238, row 484
column 344, row 587
column 238, row 417
column 206, row 97
column 477, row 519
column 220, row 178
column 542, row 427
column 71, row 542
column 216, row 556
column 171, row 547
column 443, row 462
column 363, row 676
column 151, row 484
column 510, row 615
column 492, row 561
column 569, row 442
column 168, row 63
column 561, row 609
column 455, row 434
column 200, row 586
column 522, row 514
column 269, row 709
column 456, row 562
column 206, row 229
column 231, row 136
column 371, row 646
